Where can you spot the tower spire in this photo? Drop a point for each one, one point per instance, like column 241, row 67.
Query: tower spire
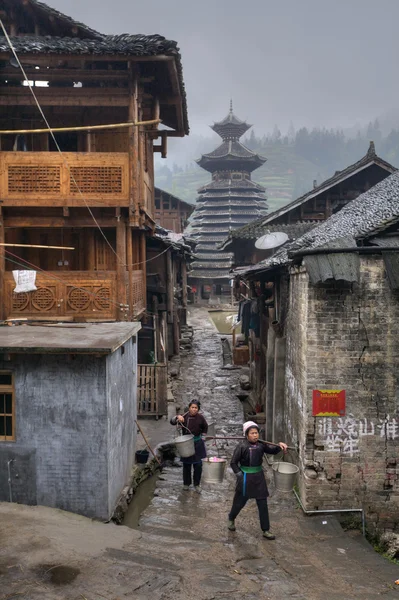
column 231, row 106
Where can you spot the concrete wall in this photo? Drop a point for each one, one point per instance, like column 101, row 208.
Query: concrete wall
column 122, row 412
column 75, row 431
column 61, row 440
column 346, row 337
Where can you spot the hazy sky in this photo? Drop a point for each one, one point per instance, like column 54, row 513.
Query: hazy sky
column 313, row 62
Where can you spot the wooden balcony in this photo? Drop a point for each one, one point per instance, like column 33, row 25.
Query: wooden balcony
column 69, row 295
column 74, row 179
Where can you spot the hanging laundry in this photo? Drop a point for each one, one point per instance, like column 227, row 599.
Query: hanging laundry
column 25, row 281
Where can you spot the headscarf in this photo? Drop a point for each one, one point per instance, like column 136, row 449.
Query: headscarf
column 249, row 425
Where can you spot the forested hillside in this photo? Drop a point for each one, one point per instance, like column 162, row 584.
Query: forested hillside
column 294, row 160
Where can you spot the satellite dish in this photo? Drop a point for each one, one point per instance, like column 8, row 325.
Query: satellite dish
column 271, row 240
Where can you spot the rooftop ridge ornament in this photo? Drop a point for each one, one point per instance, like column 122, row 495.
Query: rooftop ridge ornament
column 371, row 151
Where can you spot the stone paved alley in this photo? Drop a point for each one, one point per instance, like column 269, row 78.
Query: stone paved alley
column 182, row 548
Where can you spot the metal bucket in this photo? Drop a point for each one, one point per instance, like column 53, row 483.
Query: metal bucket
column 185, row 445
column 213, row 469
column 284, row 476
column 211, row 429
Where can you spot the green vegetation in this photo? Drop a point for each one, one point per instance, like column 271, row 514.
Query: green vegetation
column 293, row 162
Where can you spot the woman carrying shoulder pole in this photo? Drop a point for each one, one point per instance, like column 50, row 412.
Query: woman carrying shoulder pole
column 196, row 424
column 251, row 483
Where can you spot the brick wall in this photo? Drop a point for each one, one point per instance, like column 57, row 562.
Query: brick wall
column 341, row 336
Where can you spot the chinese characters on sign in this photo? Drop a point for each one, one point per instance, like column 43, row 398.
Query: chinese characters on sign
column 343, row 434
column 328, row 403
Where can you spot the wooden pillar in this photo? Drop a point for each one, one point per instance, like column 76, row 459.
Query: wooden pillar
column 129, row 259
column 90, row 249
column 143, row 255
column 2, row 268
column 121, row 266
column 133, row 148
column 184, row 281
column 169, row 285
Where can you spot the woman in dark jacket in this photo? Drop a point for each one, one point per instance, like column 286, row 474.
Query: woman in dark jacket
column 251, row 483
column 196, row 424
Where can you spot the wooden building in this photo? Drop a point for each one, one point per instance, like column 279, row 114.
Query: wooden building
column 300, row 215
column 91, row 188
column 170, row 212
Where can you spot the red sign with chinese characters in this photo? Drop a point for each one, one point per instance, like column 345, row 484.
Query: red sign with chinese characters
column 329, row 403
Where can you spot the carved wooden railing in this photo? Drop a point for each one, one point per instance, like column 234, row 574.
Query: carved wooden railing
column 74, row 179
column 152, row 390
column 67, row 294
column 83, row 294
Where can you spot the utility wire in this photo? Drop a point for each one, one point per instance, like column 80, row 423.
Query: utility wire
column 54, row 138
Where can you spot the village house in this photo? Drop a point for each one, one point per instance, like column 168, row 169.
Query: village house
column 171, row 212
column 78, row 204
column 330, row 317
column 293, row 220
column 67, row 410
column 300, row 215
column 169, row 256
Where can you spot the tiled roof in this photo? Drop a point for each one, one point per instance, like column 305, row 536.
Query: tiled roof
column 96, row 43
column 53, row 13
column 367, row 160
column 256, row 229
column 231, row 184
column 229, row 151
column 367, row 215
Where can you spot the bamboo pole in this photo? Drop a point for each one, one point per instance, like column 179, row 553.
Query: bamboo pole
column 81, row 128
column 37, row 246
column 147, row 443
column 214, row 437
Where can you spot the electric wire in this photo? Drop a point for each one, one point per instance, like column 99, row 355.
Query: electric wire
column 54, row 138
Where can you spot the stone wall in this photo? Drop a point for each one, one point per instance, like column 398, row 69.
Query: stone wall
column 342, row 336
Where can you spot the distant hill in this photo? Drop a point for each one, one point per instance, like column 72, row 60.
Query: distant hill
column 293, row 162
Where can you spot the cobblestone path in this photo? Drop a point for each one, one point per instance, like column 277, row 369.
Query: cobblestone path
column 182, row 549
column 311, row 558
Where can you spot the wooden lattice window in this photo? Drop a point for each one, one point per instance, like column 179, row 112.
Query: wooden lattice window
column 96, row 180
column 35, row 179
column 7, row 407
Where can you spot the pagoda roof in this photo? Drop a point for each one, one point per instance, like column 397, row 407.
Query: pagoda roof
column 231, row 127
column 231, row 151
column 231, row 184
column 212, row 275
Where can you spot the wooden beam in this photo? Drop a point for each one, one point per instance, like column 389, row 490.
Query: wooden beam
column 121, row 267
column 57, row 59
column 163, row 146
column 76, row 75
column 64, row 97
column 133, row 146
column 50, row 222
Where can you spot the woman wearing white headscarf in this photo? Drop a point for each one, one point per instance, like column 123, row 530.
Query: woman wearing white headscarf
column 251, row 483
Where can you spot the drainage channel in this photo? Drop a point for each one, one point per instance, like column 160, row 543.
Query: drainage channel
column 141, row 499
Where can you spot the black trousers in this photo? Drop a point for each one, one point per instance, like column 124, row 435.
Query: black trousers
column 187, row 473
column 240, row 501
